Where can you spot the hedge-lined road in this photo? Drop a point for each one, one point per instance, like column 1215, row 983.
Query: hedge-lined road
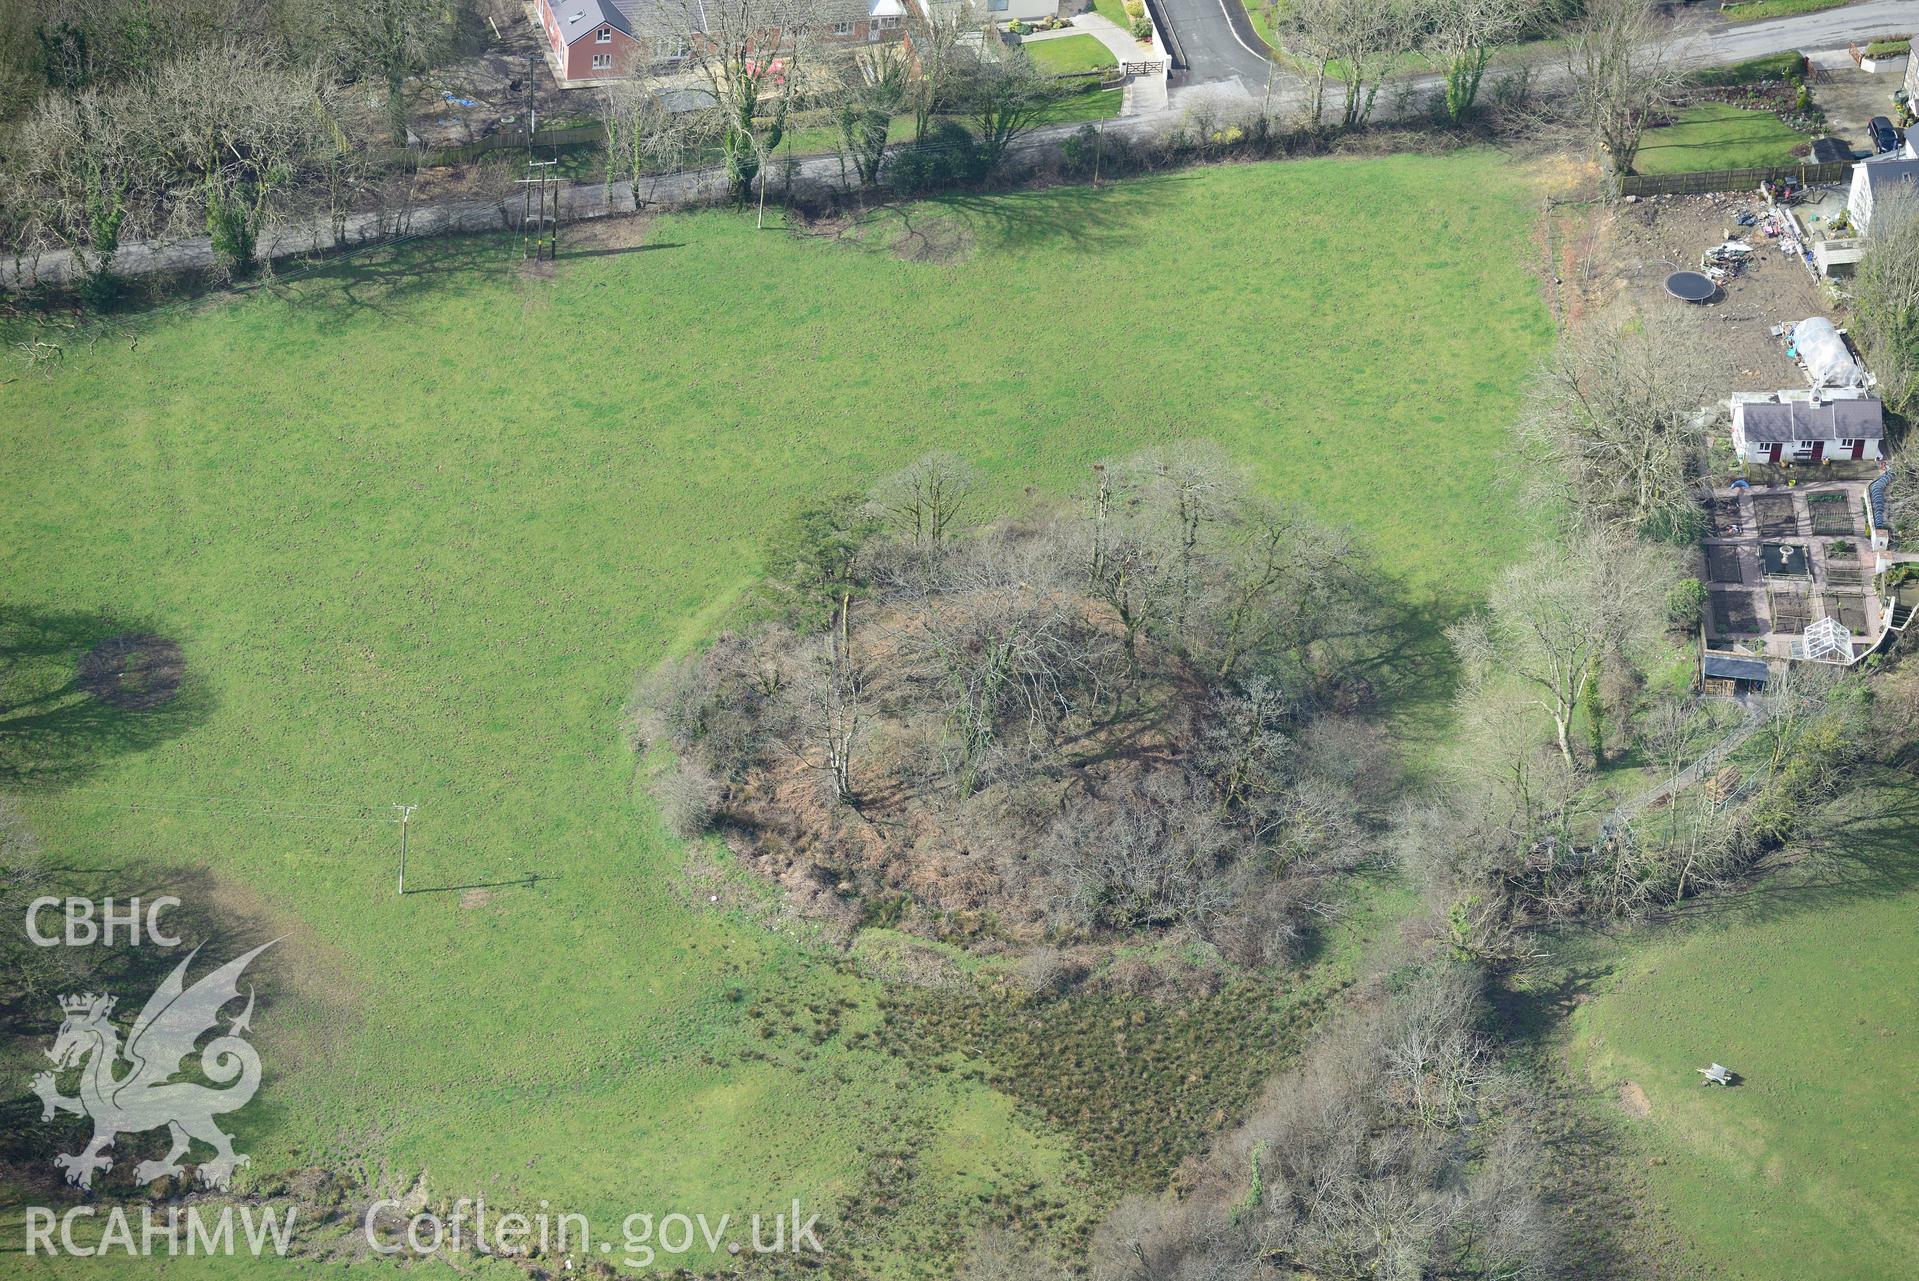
column 1224, row 63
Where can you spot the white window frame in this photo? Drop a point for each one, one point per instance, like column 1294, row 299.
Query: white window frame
column 602, row 62
column 603, row 36
column 842, row 28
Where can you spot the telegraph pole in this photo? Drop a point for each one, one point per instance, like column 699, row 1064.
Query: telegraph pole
column 406, row 812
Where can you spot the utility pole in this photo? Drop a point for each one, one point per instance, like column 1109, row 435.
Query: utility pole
column 540, row 189
column 540, row 222
column 406, row 812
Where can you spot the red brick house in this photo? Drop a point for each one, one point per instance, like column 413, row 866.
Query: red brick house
column 592, row 38
column 599, row 39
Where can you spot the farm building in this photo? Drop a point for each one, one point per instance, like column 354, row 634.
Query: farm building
column 606, row 39
column 1806, row 428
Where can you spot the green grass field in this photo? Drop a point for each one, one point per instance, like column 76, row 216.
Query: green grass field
column 1759, row 10
column 1809, row 988
column 1070, row 55
column 417, row 519
column 1715, row 135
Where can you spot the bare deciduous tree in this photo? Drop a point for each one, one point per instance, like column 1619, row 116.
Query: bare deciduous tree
column 1619, row 412
column 237, row 130
column 389, row 41
column 1552, row 620
column 1383, row 1154
column 750, row 55
column 938, row 33
column 1006, row 98
column 1885, row 299
column 644, row 140
column 1356, row 40
column 1623, row 56
column 1462, row 34
column 879, row 81
column 74, row 173
column 923, row 500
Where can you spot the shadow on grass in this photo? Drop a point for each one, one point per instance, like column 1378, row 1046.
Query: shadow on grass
column 1860, row 846
column 79, row 689
column 1075, row 219
column 379, row 279
column 33, row 980
column 529, row 881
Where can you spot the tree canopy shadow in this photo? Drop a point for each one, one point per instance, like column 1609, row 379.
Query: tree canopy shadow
column 34, row 978
column 1071, row 218
column 79, row 689
column 1860, row 846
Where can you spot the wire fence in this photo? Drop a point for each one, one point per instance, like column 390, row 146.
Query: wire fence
column 507, row 139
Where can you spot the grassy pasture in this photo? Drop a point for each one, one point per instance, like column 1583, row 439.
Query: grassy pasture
column 1807, row 989
column 417, row 519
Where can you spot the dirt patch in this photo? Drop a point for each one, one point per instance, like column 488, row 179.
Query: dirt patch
column 608, row 235
column 937, row 240
column 135, row 670
column 1627, row 252
column 1634, row 1101
column 472, row 899
column 930, row 238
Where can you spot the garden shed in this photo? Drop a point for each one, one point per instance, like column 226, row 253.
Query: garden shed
column 1730, row 675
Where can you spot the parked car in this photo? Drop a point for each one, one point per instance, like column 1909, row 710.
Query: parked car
column 1884, row 137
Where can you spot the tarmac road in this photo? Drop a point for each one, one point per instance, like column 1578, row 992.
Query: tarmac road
column 1220, row 45
column 1218, row 42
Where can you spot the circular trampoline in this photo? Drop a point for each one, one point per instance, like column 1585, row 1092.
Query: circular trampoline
column 1691, row 286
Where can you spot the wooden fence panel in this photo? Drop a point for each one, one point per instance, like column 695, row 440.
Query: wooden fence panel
column 1697, row 184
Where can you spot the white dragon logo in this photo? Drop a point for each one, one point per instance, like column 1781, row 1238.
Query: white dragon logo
column 145, row 1097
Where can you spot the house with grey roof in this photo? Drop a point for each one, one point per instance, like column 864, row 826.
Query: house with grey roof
column 1873, row 179
column 1807, row 428
column 605, row 39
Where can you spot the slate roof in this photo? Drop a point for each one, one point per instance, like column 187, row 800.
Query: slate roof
column 1726, row 667
column 1881, row 174
column 643, row 18
column 581, row 18
column 1774, row 422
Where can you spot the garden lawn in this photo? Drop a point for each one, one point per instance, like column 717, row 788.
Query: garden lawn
column 417, row 520
column 1716, row 135
column 1070, row 55
column 1811, row 994
column 1114, row 11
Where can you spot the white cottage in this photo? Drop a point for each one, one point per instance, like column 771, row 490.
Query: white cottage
column 1872, row 179
column 1806, row 428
